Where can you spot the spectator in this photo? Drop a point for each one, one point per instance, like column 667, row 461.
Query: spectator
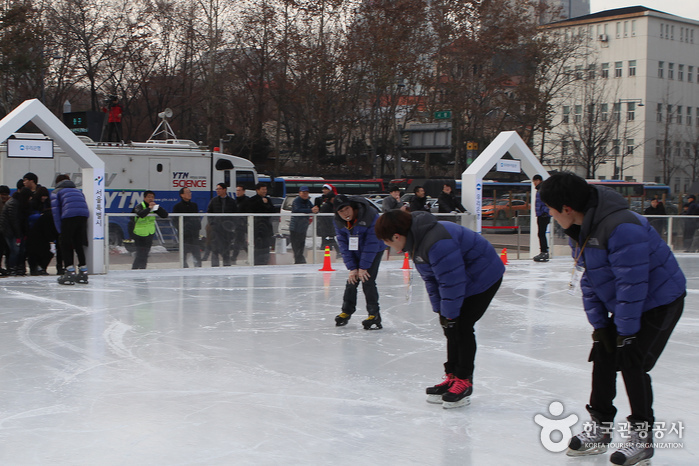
column 298, row 227
column 264, row 233
column 633, row 294
column 392, row 201
column 355, row 218
column 31, row 181
column 448, row 202
column 221, row 230
column 656, row 208
column 70, row 214
column 114, row 112
column 326, row 225
column 191, row 226
column 4, row 197
column 144, row 228
column 13, row 225
column 690, row 225
column 462, row 273
column 418, row 203
column 41, row 233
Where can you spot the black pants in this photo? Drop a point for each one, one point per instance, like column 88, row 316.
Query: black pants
column 143, row 244
column 543, row 222
column 461, row 338
column 656, row 326
column 191, row 246
column 371, row 293
column 298, row 245
column 73, row 238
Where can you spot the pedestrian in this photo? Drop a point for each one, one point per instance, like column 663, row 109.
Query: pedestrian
column 418, row 202
column 264, row 233
column 633, row 294
column 448, row 202
column 191, row 227
column 144, row 228
column 542, row 222
column 392, row 201
column 70, row 214
column 13, row 225
column 31, row 181
column 690, row 225
column 298, row 226
column 656, row 208
column 114, row 112
column 462, row 272
column 4, row 197
column 241, row 231
column 355, row 218
column 41, row 233
column 221, row 230
column 326, row 225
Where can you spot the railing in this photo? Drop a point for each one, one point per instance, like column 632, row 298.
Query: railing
column 172, row 253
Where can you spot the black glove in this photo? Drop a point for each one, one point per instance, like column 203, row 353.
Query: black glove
column 628, row 353
column 607, row 337
column 447, row 323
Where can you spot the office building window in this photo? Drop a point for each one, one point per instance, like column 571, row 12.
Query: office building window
column 605, row 70
column 616, row 147
column 680, row 72
column 658, row 148
column 604, row 112
column 566, row 114
column 659, row 113
column 632, row 67
column 631, row 111
column 617, row 111
column 669, row 113
column 577, row 117
column 633, row 28
column 618, row 69
column 618, row 30
column 591, row 72
column 679, row 114
column 689, row 116
column 672, row 32
column 662, row 31
column 564, row 148
column 670, row 71
column 578, row 72
column 661, row 69
column 626, row 29
column 690, row 74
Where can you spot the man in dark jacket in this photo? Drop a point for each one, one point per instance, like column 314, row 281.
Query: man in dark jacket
column 355, row 218
column 418, row 203
column 190, row 225
column 462, row 273
column 241, row 231
column 448, row 202
column 13, row 225
column 633, row 293
column 542, row 222
column 326, row 224
column 221, row 230
column 4, row 197
column 264, row 233
column 298, row 226
column 70, row 213
column 392, row 201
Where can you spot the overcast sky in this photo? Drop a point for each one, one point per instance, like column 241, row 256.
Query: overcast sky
column 685, row 8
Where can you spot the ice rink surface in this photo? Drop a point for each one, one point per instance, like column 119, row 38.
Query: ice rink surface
column 242, row 365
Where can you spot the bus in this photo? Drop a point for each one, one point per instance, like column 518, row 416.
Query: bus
column 349, row 187
column 276, row 188
column 638, row 194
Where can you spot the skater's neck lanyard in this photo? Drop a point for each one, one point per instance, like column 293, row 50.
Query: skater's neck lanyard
column 352, row 223
column 581, row 250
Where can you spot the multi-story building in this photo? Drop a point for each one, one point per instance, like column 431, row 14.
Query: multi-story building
column 631, row 110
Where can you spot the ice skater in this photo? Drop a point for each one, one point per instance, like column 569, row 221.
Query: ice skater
column 462, row 273
column 361, row 250
column 633, row 293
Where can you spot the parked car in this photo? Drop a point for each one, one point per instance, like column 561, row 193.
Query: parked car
column 504, row 208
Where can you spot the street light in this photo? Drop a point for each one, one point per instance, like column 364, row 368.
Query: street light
column 618, row 147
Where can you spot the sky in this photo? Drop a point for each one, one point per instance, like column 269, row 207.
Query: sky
column 685, row 8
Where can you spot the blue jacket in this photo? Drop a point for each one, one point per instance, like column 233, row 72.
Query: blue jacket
column 363, row 227
column 299, row 223
column 628, row 268
column 541, row 209
column 67, row 201
column 454, row 262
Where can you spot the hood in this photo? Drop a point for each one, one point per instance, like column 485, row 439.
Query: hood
column 65, row 184
column 423, row 222
column 603, row 202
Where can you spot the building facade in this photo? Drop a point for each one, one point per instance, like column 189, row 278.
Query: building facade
column 631, row 109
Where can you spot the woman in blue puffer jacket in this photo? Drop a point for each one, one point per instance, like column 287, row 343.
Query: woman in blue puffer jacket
column 462, row 273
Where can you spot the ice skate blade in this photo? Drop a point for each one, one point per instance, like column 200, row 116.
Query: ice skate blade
column 456, row 404
column 436, row 399
column 373, row 327
column 592, row 451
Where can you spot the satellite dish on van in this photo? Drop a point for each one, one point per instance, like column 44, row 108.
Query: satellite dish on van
column 167, row 113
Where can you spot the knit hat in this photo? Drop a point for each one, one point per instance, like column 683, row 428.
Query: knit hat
column 341, row 201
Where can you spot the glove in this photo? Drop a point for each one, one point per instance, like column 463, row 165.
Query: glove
column 606, row 336
column 628, row 353
column 447, row 323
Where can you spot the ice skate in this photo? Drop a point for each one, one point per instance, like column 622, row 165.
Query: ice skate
column 434, row 394
column 541, row 257
column 68, row 278
column 458, row 394
column 373, row 322
column 637, row 450
column 341, row 319
column 81, row 277
column 593, row 440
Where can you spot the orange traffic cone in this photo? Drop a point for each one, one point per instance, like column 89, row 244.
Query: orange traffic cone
column 503, row 256
column 406, row 263
column 327, row 265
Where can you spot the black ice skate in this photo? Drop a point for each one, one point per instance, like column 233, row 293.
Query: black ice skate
column 373, row 322
column 341, row 319
column 68, row 278
column 593, row 440
column 458, row 394
column 541, row 257
column 81, row 277
column 434, row 394
column 637, row 450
